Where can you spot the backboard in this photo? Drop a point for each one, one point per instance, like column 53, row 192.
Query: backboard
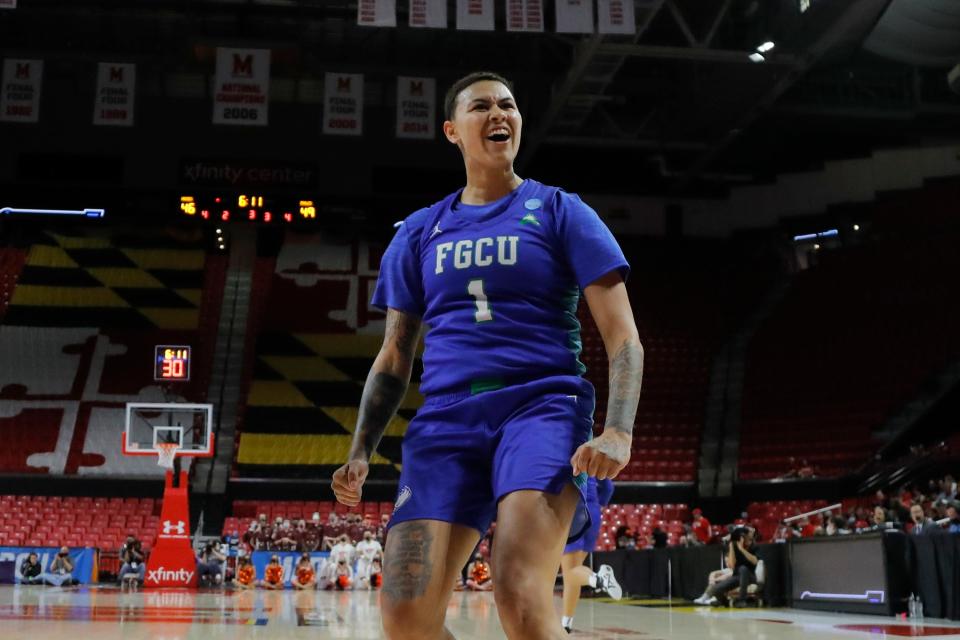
column 149, row 425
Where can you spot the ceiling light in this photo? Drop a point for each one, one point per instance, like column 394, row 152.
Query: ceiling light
column 219, row 231
column 757, row 57
column 856, row 227
column 766, row 46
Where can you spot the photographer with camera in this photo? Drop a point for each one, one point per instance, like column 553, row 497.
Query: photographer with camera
column 131, row 559
column 210, row 562
column 61, row 570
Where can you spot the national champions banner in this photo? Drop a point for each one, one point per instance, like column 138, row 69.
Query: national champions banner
column 241, row 91
column 289, row 560
column 83, row 560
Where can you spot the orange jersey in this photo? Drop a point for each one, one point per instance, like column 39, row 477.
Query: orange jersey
column 480, row 572
column 246, row 574
column 304, row 574
column 274, row 574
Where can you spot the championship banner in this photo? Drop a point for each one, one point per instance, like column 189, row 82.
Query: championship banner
column 289, row 560
column 113, row 104
column 574, row 16
column 475, row 15
column 525, row 15
column 20, row 100
column 416, row 107
column 241, row 86
column 83, row 560
column 428, row 13
column 616, row 16
column 8, row 4
column 377, row 13
column 343, row 104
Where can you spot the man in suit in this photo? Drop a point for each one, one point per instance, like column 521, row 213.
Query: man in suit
column 922, row 525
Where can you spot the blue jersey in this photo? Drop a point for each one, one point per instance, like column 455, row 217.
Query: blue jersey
column 497, row 285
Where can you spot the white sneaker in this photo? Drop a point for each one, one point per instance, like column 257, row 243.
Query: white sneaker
column 606, row 581
column 701, row 600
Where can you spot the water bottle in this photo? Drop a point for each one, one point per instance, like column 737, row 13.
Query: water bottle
column 912, row 606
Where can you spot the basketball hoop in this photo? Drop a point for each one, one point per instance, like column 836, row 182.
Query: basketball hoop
column 166, row 452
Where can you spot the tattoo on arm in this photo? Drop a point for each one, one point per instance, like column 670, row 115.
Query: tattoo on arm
column 626, row 374
column 384, row 390
column 408, row 567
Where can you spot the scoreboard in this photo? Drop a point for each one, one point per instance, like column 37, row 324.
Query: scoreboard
column 249, row 206
column 171, row 362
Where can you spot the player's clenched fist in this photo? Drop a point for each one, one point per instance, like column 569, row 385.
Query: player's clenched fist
column 603, row 457
column 348, row 482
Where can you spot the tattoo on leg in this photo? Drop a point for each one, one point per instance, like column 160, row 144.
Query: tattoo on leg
column 408, row 566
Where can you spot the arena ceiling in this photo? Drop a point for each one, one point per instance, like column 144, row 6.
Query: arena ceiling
column 676, row 109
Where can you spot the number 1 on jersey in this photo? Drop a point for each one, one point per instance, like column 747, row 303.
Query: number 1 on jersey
column 483, row 313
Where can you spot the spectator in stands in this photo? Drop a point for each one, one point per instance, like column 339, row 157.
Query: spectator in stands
column 304, row 576
column 689, row 538
column 658, row 538
column 740, row 556
column 210, row 563
column 273, row 574
column 61, row 569
column 880, row 519
column 806, row 470
column 922, row 525
column 250, row 538
column 382, row 529
column 625, row 538
column 30, row 570
column 284, row 537
column 131, row 559
column 246, row 574
column 948, row 490
column 311, row 534
column 953, row 513
column 354, row 527
column 478, row 574
column 332, row 531
column 701, row 526
column 836, row 526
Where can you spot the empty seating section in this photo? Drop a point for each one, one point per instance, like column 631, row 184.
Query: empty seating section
column 853, row 341
column 686, row 301
column 77, row 339
column 641, row 519
column 104, row 523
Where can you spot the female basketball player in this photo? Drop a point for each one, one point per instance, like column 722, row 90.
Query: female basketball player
column 575, row 574
column 495, row 270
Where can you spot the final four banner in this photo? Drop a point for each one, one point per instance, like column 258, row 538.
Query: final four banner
column 377, row 13
column 574, row 16
column 416, row 107
column 525, row 15
column 20, row 97
column 428, row 13
column 343, row 100
column 616, row 16
column 113, row 104
column 241, row 86
column 475, row 15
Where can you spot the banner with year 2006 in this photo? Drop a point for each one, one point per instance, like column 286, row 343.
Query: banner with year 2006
column 241, row 91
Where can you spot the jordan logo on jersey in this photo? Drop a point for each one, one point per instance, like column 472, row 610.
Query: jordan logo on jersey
column 480, row 253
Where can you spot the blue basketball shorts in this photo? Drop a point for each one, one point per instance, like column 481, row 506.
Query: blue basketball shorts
column 462, row 453
column 591, row 530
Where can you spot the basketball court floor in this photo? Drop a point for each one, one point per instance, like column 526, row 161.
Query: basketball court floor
column 39, row 613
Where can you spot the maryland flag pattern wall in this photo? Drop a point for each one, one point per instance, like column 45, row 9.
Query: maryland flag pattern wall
column 317, row 338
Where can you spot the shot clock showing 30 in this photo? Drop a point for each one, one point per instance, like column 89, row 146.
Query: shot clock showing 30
column 171, row 362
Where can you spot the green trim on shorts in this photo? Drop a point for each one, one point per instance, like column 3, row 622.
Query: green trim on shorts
column 490, row 384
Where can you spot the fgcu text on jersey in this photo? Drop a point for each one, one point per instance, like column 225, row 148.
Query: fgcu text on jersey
column 498, row 285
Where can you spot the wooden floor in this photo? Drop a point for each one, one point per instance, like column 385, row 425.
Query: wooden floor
column 41, row 613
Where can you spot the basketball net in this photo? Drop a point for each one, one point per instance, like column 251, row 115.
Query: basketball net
column 166, row 452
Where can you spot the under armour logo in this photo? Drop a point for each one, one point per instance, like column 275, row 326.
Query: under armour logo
column 435, row 231
column 180, row 528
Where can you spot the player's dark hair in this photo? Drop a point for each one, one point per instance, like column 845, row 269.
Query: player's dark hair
column 450, row 101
